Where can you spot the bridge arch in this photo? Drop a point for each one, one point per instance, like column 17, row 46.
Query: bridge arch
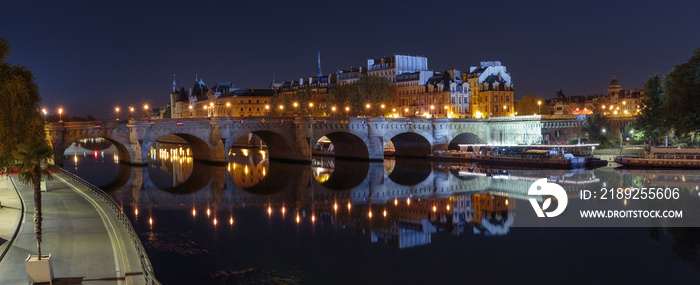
column 411, row 145
column 200, row 149
column 124, row 150
column 347, row 145
column 464, row 138
column 278, row 145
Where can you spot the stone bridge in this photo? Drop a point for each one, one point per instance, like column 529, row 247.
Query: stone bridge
column 292, row 138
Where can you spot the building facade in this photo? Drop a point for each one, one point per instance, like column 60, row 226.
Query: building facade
column 491, row 90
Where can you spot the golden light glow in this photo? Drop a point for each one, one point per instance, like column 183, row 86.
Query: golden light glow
column 60, row 111
column 150, row 221
column 367, row 106
column 434, row 208
column 382, row 106
column 349, row 206
column 296, row 104
column 211, row 104
column 333, row 108
column 408, row 201
column 230, row 221
column 311, row 105
column 347, row 108
column 190, row 107
column 396, row 201
column 136, row 212
column 267, row 107
column 506, row 202
column 432, row 107
column 448, row 207
column 281, row 107
column 228, row 104
column 283, row 210
column 539, row 102
column 384, row 213
column 625, row 202
column 215, row 221
column 44, row 111
column 205, row 107
column 370, row 214
column 145, row 107
column 298, row 219
column 194, row 212
column 269, row 210
column 208, row 212
column 116, row 109
column 335, row 207
column 131, row 109
column 313, row 218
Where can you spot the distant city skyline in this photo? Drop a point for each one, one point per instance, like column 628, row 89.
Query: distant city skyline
column 89, row 57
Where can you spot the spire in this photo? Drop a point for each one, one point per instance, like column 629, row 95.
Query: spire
column 319, row 73
column 196, row 77
column 174, row 84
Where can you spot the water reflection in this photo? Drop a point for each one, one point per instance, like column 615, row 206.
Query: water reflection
column 399, row 203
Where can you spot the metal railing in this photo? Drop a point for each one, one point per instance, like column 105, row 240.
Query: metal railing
column 148, row 274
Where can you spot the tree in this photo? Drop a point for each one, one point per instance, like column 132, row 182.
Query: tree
column 681, row 97
column 30, row 157
column 373, row 90
column 651, row 120
column 599, row 129
column 23, row 144
column 528, row 105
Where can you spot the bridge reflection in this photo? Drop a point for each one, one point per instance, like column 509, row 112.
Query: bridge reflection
column 401, row 202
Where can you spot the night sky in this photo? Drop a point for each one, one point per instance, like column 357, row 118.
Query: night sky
column 90, row 56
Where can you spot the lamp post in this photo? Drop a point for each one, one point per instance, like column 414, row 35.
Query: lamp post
column 432, row 107
column 539, row 107
column 145, row 111
column 267, row 110
column 131, row 113
column 333, row 111
column 295, row 108
column 347, row 111
column 190, row 107
column 367, row 107
column 281, row 110
column 405, row 112
column 60, row 112
column 116, row 110
column 382, row 106
column 504, row 109
column 311, row 109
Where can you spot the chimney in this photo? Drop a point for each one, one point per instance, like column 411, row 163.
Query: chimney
column 252, row 89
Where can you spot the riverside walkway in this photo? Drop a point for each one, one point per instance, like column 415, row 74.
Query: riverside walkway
column 90, row 240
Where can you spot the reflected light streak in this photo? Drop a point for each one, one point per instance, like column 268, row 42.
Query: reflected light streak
column 136, row 212
column 313, row 218
column 396, row 201
column 215, row 222
column 298, row 219
column 408, row 201
column 269, row 210
column 208, row 213
column 194, row 212
column 384, row 213
column 150, row 222
column 283, row 210
column 448, row 206
column 434, row 208
column 370, row 214
column 335, row 206
column 230, row 221
column 349, row 206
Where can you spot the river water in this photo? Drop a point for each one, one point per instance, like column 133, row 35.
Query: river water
column 256, row 221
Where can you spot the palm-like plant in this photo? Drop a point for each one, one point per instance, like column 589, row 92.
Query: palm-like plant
column 29, row 157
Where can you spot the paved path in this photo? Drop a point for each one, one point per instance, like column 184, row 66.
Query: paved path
column 87, row 242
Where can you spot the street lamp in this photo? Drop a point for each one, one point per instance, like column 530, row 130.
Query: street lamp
column 347, row 111
column 43, row 110
column 116, row 110
column 539, row 107
column 131, row 113
column 333, row 111
column 267, row 109
column 311, row 109
column 145, row 111
column 295, row 108
column 603, row 130
column 432, row 107
column 60, row 112
column 382, row 106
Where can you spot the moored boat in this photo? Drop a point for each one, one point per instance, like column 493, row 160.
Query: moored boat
column 664, row 157
column 541, row 156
